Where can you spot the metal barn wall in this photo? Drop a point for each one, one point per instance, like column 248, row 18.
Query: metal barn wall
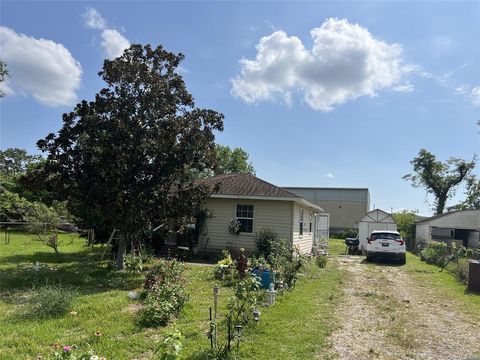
column 345, row 205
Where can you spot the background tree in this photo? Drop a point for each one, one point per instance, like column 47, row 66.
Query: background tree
column 473, row 193
column 125, row 160
column 438, row 178
column 14, row 161
column 405, row 221
column 232, row 161
column 3, row 76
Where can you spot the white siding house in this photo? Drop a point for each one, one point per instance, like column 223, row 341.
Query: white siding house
column 462, row 226
column 374, row 220
column 256, row 204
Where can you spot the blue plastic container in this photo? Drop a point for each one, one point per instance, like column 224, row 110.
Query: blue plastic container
column 265, row 277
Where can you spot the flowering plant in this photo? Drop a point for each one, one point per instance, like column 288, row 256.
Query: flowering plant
column 235, row 226
column 73, row 352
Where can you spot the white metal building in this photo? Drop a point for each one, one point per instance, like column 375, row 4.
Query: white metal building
column 462, row 226
column 374, row 220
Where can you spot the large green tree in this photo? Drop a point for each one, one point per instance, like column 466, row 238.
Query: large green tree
column 14, row 161
column 125, row 160
column 232, row 160
column 438, row 178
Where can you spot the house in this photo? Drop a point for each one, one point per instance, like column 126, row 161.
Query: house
column 462, row 226
column 345, row 205
column 257, row 204
column 374, row 220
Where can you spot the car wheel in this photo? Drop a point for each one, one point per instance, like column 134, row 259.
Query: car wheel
column 403, row 260
column 369, row 258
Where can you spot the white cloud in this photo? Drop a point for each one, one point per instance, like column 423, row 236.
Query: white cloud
column 475, row 96
column 113, row 42
column 470, row 94
column 405, row 88
column 41, row 68
column 329, row 176
column 345, row 62
column 93, row 19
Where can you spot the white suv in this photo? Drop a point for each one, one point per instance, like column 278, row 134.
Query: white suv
column 386, row 244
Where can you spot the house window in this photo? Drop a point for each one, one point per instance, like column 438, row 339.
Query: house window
column 244, row 214
column 301, row 221
column 310, row 226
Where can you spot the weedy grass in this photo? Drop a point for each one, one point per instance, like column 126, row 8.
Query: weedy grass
column 100, row 313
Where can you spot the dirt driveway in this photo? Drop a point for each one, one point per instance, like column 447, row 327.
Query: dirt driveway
column 387, row 315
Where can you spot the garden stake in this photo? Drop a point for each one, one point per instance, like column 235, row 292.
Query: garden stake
column 229, row 324
column 211, row 329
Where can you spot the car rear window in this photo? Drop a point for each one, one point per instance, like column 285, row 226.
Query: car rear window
column 389, row 236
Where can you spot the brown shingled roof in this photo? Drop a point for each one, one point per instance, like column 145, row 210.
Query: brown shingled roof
column 246, row 185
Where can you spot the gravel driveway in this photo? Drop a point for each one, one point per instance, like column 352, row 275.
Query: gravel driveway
column 385, row 314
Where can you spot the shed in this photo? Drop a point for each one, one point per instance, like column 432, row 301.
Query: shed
column 462, row 226
column 374, row 220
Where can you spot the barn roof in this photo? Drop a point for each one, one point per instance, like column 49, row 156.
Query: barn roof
column 446, row 214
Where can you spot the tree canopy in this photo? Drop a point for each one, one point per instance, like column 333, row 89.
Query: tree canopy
column 125, row 160
column 14, row 161
column 438, row 178
column 232, row 161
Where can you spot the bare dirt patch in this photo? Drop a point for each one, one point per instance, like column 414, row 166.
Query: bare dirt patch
column 386, row 315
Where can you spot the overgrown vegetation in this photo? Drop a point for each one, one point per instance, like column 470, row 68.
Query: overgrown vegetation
column 452, row 258
column 49, row 301
column 164, row 293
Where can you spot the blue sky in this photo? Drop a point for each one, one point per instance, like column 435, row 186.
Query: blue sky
column 336, row 94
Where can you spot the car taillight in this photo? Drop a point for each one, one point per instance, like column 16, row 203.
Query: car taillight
column 400, row 241
column 369, row 240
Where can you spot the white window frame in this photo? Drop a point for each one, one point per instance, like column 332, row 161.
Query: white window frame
column 301, row 229
column 247, row 218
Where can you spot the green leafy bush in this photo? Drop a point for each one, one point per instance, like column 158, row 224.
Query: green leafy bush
column 321, row 260
column 171, row 347
column 226, row 268
column 266, row 240
column 434, row 253
column 287, row 262
column 137, row 258
column 50, row 301
column 244, row 300
column 164, row 295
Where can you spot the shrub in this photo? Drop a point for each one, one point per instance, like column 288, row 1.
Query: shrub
column 266, row 240
column 137, row 258
column 287, row 262
column 460, row 271
column 434, row 253
column 321, row 261
column 226, row 268
column 164, row 295
column 50, row 301
column 242, row 304
column 171, row 347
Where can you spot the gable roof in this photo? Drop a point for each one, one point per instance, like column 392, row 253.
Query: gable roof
column 377, row 215
column 445, row 214
column 249, row 186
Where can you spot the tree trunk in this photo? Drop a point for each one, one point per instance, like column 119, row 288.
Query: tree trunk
column 442, row 199
column 121, row 252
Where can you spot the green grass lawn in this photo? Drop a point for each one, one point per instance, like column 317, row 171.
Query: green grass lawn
column 296, row 328
column 430, row 276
